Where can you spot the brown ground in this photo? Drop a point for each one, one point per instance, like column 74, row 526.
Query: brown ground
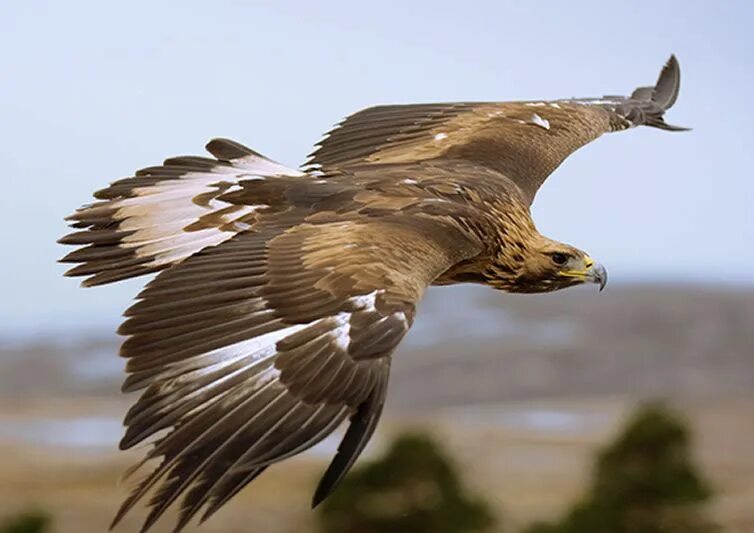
column 529, row 473
column 522, row 391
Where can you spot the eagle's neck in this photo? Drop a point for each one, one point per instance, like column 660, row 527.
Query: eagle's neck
column 517, row 239
column 511, row 237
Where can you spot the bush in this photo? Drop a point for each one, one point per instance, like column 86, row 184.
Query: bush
column 414, row 488
column 645, row 482
column 28, row 522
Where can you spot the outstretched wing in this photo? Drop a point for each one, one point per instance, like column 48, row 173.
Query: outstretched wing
column 525, row 141
column 256, row 349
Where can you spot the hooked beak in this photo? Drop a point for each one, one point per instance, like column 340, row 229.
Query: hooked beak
column 592, row 271
column 597, row 274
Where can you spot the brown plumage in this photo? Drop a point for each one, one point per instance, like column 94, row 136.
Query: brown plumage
column 283, row 293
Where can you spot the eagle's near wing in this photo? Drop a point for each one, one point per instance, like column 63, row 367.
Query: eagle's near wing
column 257, row 348
column 524, row 141
column 265, row 333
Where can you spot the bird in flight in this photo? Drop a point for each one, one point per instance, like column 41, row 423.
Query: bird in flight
column 282, row 293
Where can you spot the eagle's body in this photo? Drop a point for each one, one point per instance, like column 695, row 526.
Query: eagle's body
column 283, row 293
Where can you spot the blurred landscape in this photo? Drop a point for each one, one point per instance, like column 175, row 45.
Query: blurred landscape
column 521, row 390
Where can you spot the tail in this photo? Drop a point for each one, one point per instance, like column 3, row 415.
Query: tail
column 647, row 105
column 163, row 214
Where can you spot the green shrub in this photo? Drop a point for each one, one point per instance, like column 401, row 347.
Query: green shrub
column 27, row 522
column 413, row 488
column 644, row 482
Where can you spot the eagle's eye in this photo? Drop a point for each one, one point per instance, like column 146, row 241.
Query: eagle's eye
column 559, row 259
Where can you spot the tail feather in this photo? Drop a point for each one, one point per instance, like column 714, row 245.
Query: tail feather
column 163, row 214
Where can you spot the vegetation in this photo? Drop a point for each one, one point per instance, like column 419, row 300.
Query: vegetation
column 27, row 522
column 413, row 487
column 645, row 482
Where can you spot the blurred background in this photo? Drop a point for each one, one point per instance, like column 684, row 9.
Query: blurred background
column 527, row 403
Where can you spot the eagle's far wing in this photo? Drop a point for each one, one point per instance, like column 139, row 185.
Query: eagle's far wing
column 256, row 349
column 525, row 141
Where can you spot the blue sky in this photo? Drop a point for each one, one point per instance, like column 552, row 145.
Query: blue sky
column 90, row 91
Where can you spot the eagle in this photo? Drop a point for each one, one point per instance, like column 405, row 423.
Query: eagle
column 281, row 294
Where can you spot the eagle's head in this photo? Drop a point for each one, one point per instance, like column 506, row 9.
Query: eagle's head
column 544, row 265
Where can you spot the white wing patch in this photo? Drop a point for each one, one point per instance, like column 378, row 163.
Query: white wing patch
column 539, row 121
column 366, row 301
column 341, row 334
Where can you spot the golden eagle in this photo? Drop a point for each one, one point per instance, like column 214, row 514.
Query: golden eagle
column 283, row 293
